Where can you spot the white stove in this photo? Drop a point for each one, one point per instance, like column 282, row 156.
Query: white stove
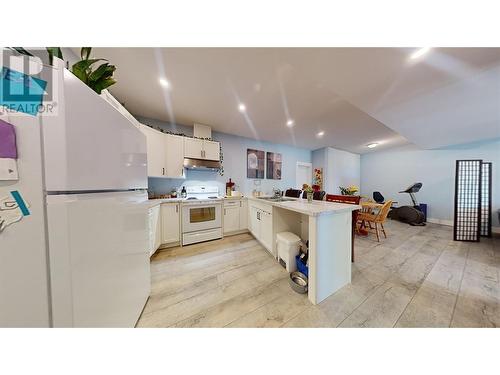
column 202, row 194
column 201, row 215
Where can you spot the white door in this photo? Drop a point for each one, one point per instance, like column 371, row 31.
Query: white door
column 303, row 174
column 266, row 228
column 231, row 218
column 243, row 214
column 174, row 156
column 156, row 151
column 193, row 148
column 170, row 222
column 255, row 222
column 211, row 150
column 99, row 258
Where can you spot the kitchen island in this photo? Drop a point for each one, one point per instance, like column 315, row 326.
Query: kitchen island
column 326, row 225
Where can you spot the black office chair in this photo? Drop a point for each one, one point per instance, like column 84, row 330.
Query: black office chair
column 293, row 193
column 377, row 197
column 317, row 195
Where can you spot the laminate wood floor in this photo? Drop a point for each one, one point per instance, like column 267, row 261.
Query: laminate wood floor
column 417, row 277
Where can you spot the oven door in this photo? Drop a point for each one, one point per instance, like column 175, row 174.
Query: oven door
column 196, row 216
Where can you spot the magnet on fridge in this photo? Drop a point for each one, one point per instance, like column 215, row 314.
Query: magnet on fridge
column 12, row 209
column 8, row 152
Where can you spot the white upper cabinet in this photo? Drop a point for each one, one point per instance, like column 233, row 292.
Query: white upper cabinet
column 211, row 150
column 156, row 151
column 166, row 152
column 201, row 149
column 193, row 148
column 174, row 154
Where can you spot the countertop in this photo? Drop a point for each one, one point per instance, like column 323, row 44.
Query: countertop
column 156, row 201
column 315, row 208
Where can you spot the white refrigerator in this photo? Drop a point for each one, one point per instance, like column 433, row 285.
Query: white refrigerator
column 80, row 257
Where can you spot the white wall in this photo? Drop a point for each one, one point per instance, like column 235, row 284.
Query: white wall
column 393, row 170
column 340, row 168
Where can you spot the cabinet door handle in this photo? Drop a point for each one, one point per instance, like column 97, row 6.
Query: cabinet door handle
column 163, row 171
column 176, row 208
column 240, row 203
column 224, row 211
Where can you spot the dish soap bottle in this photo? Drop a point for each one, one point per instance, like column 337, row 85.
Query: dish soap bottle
column 183, row 192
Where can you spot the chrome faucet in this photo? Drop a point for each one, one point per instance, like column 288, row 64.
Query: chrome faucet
column 276, row 193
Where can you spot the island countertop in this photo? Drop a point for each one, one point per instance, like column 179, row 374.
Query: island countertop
column 315, row 208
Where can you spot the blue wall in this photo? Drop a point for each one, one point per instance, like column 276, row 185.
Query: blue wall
column 393, row 170
column 235, row 159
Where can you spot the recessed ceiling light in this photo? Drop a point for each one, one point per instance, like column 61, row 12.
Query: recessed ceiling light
column 242, row 107
column 320, row 134
column 372, row 145
column 164, row 82
column 290, row 123
column 420, row 52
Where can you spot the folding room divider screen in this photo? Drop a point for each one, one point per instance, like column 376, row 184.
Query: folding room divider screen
column 472, row 200
column 486, row 200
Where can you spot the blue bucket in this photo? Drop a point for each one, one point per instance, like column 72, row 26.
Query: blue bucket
column 301, row 267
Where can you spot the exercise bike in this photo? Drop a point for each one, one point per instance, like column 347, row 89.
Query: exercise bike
column 412, row 215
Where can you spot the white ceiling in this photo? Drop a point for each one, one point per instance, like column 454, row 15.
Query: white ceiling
column 355, row 95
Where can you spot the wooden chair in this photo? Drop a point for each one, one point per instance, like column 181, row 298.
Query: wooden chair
column 376, row 219
column 348, row 199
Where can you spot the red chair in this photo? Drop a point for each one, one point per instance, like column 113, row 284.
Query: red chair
column 348, row 199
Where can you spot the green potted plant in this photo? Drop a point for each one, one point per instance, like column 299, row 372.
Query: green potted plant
column 349, row 190
column 97, row 79
column 309, row 191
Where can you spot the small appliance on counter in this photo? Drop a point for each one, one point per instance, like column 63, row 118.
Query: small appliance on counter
column 229, row 188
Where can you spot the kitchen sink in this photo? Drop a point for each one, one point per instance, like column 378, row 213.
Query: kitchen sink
column 279, row 199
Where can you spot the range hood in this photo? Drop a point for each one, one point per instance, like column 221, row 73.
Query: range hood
column 200, row 164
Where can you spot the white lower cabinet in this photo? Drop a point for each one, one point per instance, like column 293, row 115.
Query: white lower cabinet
column 235, row 215
column 243, row 214
column 261, row 224
column 254, row 223
column 170, row 222
column 266, row 230
column 155, row 236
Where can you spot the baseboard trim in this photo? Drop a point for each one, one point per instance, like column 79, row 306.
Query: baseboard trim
column 229, row 234
column 440, row 221
column 450, row 224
